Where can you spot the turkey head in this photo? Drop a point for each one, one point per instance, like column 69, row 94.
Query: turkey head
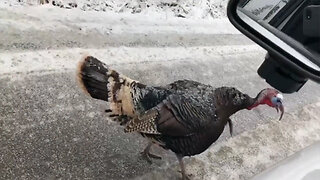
column 270, row 97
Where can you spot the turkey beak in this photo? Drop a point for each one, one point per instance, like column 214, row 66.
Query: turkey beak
column 281, row 108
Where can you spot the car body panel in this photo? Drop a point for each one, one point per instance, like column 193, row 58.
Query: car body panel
column 303, row 165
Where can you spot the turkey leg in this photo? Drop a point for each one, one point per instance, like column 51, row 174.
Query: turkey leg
column 183, row 170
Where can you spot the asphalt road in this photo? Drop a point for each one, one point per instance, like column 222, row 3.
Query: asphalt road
column 50, row 129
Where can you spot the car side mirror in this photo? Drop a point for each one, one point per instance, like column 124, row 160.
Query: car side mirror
column 290, row 31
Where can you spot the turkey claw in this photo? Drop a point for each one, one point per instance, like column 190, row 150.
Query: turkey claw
column 187, row 177
column 148, row 156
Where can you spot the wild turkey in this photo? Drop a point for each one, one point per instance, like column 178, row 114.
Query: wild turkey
column 185, row 116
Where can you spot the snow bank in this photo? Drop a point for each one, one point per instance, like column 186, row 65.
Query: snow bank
column 61, row 60
column 198, row 9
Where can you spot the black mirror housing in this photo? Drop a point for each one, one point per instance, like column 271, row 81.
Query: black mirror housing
column 281, row 69
column 284, row 79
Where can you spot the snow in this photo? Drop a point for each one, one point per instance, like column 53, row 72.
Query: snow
column 114, row 22
column 61, row 60
column 135, row 23
column 179, row 8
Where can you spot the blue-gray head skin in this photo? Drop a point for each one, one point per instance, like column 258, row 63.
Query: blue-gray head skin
column 277, row 103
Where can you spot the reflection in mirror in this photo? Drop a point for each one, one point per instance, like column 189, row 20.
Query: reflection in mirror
column 294, row 25
column 264, row 10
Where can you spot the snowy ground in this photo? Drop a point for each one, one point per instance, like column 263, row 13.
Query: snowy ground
column 49, row 129
column 201, row 9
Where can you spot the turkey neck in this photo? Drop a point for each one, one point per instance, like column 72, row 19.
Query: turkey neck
column 230, row 100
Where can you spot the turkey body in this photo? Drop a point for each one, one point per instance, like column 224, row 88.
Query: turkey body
column 193, row 124
column 185, row 116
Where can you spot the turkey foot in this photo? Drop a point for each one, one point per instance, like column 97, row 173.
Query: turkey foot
column 187, row 176
column 147, row 155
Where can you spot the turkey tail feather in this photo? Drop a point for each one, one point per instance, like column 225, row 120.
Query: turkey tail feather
column 103, row 83
column 92, row 77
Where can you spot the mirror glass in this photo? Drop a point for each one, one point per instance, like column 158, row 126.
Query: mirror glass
column 293, row 25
